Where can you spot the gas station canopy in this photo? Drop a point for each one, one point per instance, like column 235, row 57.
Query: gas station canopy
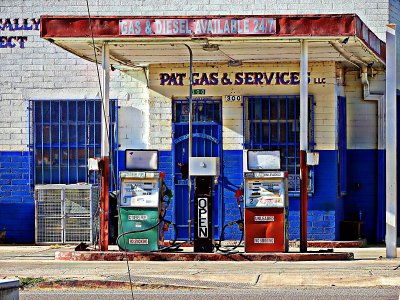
column 138, row 41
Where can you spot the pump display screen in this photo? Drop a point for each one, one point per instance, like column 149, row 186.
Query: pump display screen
column 263, row 160
column 141, row 160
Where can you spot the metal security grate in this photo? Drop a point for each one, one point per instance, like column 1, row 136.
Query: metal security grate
column 272, row 123
column 65, row 213
column 65, row 133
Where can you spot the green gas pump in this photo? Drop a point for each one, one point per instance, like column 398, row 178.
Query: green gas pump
column 140, row 206
column 140, row 202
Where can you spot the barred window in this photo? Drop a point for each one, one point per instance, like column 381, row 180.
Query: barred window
column 65, row 133
column 272, row 123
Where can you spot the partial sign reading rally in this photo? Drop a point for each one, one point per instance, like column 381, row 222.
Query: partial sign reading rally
column 13, row 26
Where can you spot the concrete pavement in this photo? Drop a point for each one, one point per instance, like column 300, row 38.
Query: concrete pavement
column 369, row 268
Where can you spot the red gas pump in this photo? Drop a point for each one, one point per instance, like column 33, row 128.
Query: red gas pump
column 266, row 205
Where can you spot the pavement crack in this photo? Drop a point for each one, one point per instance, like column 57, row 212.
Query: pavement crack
column 257, row 279
column 195, row 273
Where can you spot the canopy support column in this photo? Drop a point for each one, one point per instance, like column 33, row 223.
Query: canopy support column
column 303, row 144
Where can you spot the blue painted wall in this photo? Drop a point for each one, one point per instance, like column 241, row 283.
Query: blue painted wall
column 325, row 208
column 17, row 210
column 362, row 190
column 232, row 181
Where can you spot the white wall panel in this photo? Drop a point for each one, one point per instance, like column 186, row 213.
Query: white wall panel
column 44, row 71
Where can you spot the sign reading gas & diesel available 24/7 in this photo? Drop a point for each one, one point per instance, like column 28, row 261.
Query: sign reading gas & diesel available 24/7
column 199, row 27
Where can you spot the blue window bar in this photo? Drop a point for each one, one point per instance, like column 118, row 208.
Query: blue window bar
column 272, row 123
column 65, row 134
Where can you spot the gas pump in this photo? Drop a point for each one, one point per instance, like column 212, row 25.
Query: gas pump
column 266, row 203
column 205, row 171
column 140, row 202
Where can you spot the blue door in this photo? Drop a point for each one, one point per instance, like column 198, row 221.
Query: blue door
column 206, row 142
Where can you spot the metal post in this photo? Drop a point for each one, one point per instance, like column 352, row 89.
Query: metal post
column 303, row 145
column 190, row 142
column 391, row 143
column 105, row 148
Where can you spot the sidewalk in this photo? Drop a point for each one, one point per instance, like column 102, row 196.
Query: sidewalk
column 369, row 268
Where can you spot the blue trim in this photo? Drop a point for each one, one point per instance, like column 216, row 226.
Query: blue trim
column 381, row 211
column 199, row 135
column 342, row 145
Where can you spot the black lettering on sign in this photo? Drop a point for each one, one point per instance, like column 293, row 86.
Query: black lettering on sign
column 202, row 218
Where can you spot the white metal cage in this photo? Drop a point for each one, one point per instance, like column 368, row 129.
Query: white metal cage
column 65, row 213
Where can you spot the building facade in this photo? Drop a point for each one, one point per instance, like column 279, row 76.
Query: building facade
column 50, row 115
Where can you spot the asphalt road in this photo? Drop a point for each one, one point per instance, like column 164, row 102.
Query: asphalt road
column 333, row 293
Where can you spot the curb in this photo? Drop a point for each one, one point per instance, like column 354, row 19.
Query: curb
column 159, row 256
column 103, row 284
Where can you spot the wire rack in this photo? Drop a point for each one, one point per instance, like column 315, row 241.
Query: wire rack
column 49, row 230
column 48, row 202
column 65, row 213
column 78, row 230
column 78, row 202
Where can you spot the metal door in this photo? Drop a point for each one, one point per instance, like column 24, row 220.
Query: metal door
column 207, row 142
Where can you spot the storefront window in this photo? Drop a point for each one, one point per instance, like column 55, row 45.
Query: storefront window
column 272, row 123
column 203, row 110
column 65, row 133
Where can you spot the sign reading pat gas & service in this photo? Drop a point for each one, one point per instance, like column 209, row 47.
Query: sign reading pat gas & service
column 197, row 27
column 238, row 78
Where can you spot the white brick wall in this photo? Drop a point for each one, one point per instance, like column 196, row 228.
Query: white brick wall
column 42, row 70
column 362, row 115
column 394, row 13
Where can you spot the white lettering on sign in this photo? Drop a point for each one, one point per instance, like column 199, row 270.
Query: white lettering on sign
column 269, row 174
column 264, row 218
column 137, row 217
column 203, row 217
column 138, row 241
column 264, row 240
column 192, row 27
